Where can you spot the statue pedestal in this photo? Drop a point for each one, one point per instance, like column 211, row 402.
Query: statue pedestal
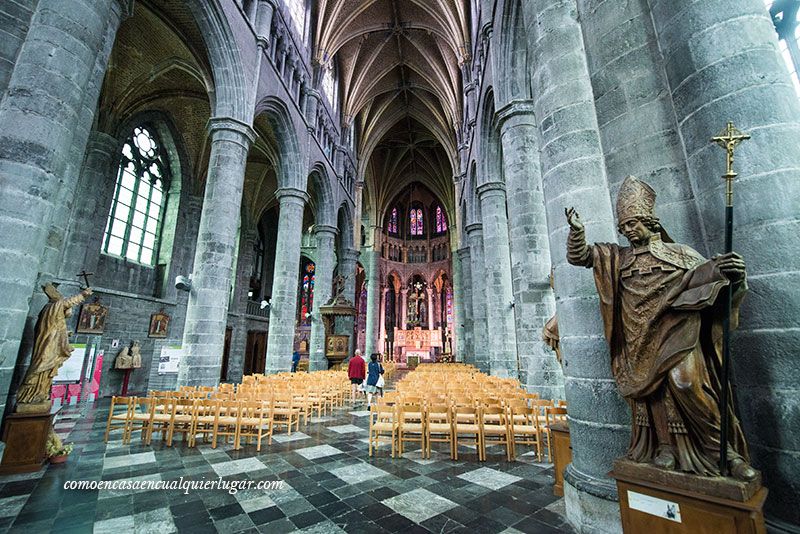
column 562, row 454
column 25, row 435
column 661, row 502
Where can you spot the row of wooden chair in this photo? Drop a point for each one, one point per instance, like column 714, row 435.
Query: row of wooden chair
column 510, row 425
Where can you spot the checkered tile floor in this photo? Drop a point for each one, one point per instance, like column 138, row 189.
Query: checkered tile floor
column 331, row 485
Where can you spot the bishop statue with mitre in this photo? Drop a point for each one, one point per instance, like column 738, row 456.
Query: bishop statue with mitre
column 662, row 308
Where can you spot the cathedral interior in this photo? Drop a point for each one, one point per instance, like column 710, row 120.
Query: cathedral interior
column 224, row 173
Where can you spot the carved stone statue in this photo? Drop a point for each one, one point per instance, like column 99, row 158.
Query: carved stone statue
column 51, row 349
column 661, row 304
column 123, row 360
column 136, row 355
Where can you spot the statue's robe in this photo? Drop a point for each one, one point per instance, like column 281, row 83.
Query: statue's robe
column 662, row 307
column 51, row 348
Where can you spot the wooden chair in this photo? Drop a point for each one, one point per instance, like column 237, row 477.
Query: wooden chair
column 181, row 420
column 466, row 422
column 383, row 426
column 552, row 415
column 226, row 421
column 161, row 417
column 284, row 412
column 255, row 418
column 494, row 424
column 439, row 427
column 204, row 417
column 119, row 415
column 140, row 419
column 411, row 426
column 524, row 428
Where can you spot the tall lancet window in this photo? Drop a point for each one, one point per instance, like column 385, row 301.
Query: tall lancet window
column 393, row 222
column 415, row 222
column 785, row 16
column 297, row 16
column 441, row 220
column 134, row 220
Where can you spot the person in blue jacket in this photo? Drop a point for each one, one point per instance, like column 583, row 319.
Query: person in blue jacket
column 295, row 361
column 374, row 371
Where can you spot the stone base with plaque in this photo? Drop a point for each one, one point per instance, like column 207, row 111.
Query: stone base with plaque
column 657, row 501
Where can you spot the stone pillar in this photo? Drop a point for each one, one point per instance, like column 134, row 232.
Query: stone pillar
column 530, row 249
column 502, row 337
column 465, row 323
column 371, row 265
column 41, row 109
column 98, row 180
column 285, row 280
column 746, row 81
column 347, row 268
column 457, row 327
column 573, row 174
column 212, row 275
column 323, row 280
column 480, row 336
column 635, row 112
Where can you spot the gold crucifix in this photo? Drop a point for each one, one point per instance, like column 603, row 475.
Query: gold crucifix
column 728, row 139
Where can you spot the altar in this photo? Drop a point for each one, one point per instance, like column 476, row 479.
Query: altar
column 417, row 344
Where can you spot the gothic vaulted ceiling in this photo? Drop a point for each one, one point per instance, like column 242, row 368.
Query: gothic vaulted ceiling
column 399, row 68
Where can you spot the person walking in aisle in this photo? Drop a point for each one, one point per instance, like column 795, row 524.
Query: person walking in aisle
column 374, row 375
column 356, row 371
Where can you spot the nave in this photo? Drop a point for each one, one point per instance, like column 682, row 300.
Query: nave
column 330, row 485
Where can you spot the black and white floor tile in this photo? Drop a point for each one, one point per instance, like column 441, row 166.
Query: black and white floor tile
column 330, row 485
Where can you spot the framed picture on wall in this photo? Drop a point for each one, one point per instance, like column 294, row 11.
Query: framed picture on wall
column 92, row 319
column 159, row 324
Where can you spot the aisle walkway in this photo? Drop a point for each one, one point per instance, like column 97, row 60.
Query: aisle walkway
column 330, row 485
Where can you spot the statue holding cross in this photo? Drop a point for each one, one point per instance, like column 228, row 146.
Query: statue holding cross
column 51, row 348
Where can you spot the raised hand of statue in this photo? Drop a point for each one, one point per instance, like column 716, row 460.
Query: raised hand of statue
column 573, row 219
column 731, row 265
column 87, row 292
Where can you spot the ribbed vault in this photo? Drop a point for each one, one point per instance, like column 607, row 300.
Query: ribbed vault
column 399, row 68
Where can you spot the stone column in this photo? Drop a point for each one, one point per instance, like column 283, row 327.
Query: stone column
column 480, row 336
column 573, row 174
column 371, row 265
column 635, row 112
column 530, row 249
column 41, row 110
column 465, row 323
column 457, row 327
column 98, row 180
column 323, row 280
column 746, row 81
column 497, row 273
column 285, row 280
column 212, row 275
column 347, row 268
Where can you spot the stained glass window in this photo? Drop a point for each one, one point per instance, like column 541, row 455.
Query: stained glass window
column 393, row 222
column 785, row 16
column 441, row 221
column 449, row 297
column 307, row 293
column 415, row 218
column 134, row 220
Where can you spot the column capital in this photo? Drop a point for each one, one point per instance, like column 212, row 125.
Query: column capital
column 474, row 228
column 463, row 253
column 229, row 124
column 291, row 194
column 101, row 141
column 491, row 188
column 515, row 113
column 349, row 254
column 321, row 229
